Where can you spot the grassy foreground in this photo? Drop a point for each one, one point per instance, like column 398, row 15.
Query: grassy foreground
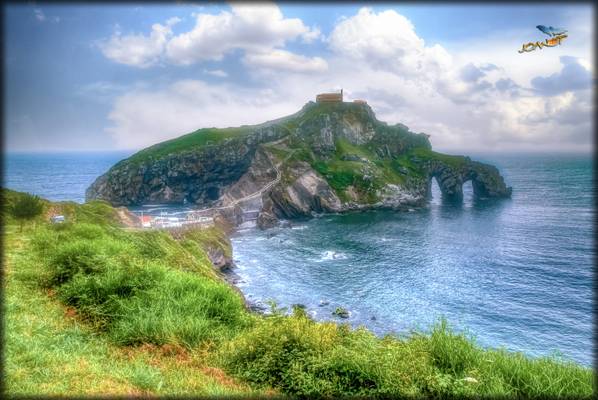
column 91, row 308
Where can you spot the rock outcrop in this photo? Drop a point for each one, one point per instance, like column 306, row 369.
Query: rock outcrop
column 485, row 179
column 332, row 157
column 306, row 193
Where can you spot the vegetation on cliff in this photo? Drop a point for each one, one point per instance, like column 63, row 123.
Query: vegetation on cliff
column 92, row 308
column 365, row 162
column 189, row 142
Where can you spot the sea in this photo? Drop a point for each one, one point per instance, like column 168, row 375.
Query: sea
column 514, row 274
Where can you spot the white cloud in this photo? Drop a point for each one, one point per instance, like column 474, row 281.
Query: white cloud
column 387, row 40
column 573, row 76
column 259, row 30
column 216, row 72
column 312, row 35
column 136, row 49
column 144, row 117
column 466, row 100
column 173, row 21
column 282, row 60
column 39, row 14
column 250, row 27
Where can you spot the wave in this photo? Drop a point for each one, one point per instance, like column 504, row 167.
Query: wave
column 332, row 255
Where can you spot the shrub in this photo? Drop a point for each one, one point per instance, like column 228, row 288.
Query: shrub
column 82, row 257
column 181, row 309
column 307, row 358
column 26, row 207
column 123, row 284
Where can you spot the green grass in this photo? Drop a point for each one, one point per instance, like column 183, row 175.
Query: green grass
column 211, row 136
column 208, row 238
column 278, row 152
column 341, row 173
column 50, row 349
column 305, row 358
column 136, row 287
column 427, row 154
column 316, row 110
column 199, row 138
column 95, row 309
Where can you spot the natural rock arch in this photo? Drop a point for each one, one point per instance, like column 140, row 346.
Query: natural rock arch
column 485, row 180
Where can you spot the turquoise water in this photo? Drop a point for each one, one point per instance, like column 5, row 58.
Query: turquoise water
column 515, row 273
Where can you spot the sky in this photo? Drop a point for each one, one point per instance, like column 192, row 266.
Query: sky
column 122, row 77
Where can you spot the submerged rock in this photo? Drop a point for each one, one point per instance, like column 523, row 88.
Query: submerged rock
column 266, row 220
column 341, row 312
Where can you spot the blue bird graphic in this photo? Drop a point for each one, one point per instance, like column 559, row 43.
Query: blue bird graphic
column 550, row 30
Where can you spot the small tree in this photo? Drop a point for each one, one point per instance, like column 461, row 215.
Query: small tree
column 26, row 207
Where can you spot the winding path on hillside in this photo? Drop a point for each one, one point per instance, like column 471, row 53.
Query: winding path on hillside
column 195, row 214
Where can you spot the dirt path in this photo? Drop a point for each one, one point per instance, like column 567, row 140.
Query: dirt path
column 255, row 194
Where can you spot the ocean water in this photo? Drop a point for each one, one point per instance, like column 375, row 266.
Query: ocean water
column 57, row 176
column 514, row 273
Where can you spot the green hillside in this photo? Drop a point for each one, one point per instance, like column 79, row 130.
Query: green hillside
column 94, row 308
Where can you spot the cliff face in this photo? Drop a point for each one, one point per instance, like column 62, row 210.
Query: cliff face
column 197, row 174
column 329, row 157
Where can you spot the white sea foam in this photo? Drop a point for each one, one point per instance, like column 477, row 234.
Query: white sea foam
column 332, row 255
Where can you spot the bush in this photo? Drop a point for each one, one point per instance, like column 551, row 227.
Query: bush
column 83, row 257
column 26, row 208
column 122, row 283
column 306, row 358
column 181, row 309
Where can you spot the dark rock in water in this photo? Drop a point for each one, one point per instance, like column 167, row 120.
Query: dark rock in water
column 266, row 220
column 258, row 307
column 323, row 303
column 485, row 179
column 286, row 224
column 341, row 312
column 373, row 318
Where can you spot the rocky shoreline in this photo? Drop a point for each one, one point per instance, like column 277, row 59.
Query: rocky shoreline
column 229, row 275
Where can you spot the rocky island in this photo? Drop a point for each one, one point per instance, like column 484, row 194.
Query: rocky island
column 331, row 156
